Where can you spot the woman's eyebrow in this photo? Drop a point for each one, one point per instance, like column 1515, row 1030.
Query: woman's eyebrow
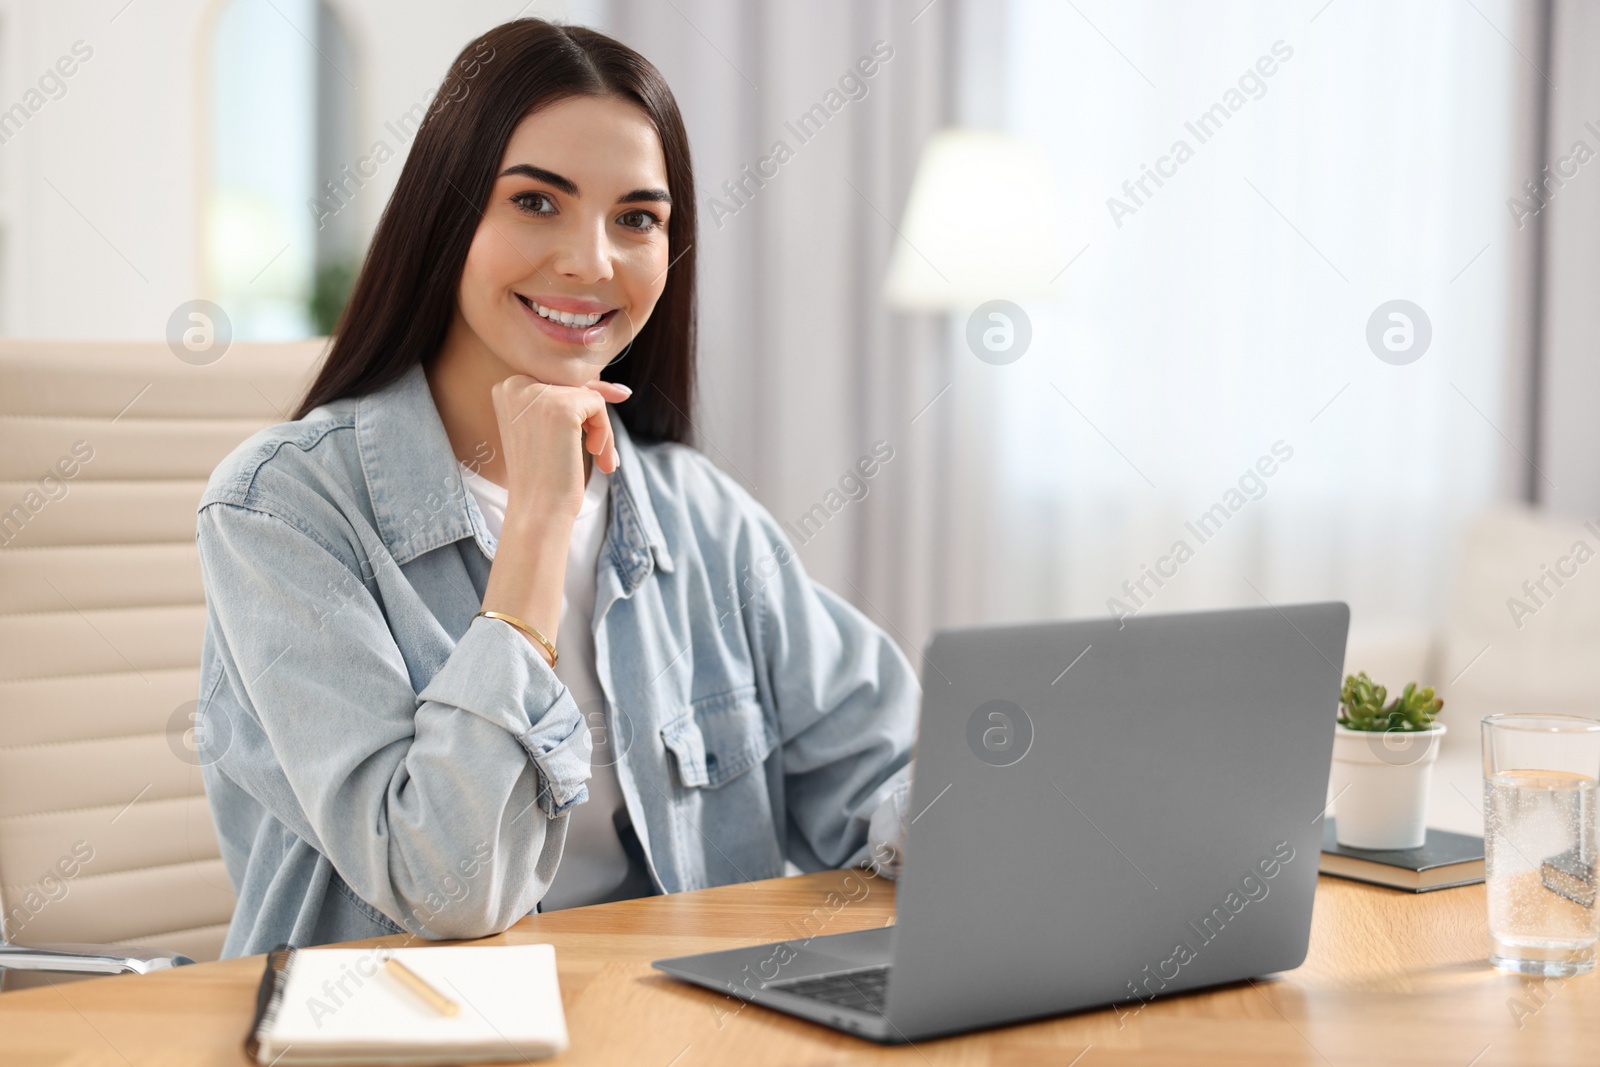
column 539, row 174
column 566, row 185
column 646, row 196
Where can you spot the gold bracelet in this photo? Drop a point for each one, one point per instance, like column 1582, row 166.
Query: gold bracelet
column 525, row 628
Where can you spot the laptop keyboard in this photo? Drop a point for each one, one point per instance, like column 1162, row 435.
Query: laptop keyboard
column 863, row 990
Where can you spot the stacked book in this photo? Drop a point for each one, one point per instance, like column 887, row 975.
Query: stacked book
column 1444, row 861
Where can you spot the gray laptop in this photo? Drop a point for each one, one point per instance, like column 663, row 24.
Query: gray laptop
column 1100, row 813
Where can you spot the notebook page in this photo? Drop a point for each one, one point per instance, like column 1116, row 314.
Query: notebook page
column 346, row 1000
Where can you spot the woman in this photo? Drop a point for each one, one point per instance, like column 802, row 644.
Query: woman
column 485, row 634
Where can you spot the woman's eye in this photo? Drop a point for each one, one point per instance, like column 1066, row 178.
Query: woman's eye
column 643, row 221
column 534, row 203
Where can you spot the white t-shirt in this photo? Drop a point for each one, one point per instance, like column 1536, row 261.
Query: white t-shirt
column 595, row 867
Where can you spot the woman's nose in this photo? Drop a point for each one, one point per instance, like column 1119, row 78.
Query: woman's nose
column 584, row 252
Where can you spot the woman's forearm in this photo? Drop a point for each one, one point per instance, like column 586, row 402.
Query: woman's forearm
column 530, row 569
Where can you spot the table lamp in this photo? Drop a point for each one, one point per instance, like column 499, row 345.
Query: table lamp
column 983, row 222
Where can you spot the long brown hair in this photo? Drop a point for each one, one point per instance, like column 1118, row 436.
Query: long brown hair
column 405, row 295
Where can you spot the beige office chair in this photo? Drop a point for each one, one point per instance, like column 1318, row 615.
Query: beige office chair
column 105, row 836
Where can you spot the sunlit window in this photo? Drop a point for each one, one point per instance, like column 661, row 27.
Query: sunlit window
column 282, row 96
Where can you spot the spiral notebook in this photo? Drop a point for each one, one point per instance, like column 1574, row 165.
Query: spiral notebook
column 348, row 1006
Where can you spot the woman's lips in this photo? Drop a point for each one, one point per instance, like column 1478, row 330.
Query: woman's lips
column 587, row 336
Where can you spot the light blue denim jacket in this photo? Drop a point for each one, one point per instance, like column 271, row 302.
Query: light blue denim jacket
column 379, row 761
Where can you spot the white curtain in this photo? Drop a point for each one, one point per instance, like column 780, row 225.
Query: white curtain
column 1214, row 327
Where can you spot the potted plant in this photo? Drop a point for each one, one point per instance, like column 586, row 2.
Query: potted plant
column 1383, row 756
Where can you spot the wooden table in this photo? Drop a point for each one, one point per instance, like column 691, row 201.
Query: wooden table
column 1391, row 978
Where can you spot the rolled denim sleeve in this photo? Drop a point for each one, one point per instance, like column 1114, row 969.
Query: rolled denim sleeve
column 410, row 787
column 553, row 740
column 846, row 700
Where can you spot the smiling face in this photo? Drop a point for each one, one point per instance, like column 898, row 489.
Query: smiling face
column 571, row 253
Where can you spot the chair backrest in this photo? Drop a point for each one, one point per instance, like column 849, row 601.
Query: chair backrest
column 105, row 447
column 1524, row 619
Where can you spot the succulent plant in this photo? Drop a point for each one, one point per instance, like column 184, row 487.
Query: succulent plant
column 1362, row 707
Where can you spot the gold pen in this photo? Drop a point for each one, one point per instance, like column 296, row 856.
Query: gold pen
column 414, row 982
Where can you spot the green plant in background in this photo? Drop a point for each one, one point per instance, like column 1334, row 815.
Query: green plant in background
column 1362, row 707
column 329, row 291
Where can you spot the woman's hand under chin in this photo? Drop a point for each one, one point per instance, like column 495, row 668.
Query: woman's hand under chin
column 544, row 431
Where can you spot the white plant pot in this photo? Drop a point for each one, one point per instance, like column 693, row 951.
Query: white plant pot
column 1380, row 786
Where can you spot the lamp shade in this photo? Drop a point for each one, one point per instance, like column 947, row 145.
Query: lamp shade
column 982, row 223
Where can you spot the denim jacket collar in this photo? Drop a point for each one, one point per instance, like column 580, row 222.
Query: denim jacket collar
column 420, row 499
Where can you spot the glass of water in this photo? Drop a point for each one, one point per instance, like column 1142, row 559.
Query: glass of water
column 1539, row 780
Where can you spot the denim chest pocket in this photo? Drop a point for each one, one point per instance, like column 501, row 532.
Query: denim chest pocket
column 719, row 738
